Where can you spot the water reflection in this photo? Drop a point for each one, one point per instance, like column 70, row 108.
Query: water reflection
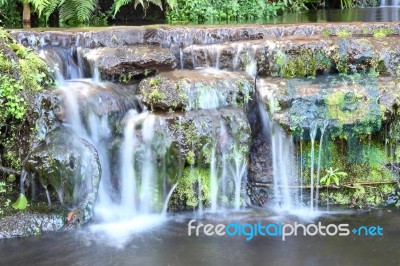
column 373, row 14
column 169, row 244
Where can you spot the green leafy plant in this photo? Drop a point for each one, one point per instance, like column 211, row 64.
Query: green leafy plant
column 382, row 33
column 332, row 176
column 144, row 3
column 346, row 4
column 344, row 33
column 21, row 203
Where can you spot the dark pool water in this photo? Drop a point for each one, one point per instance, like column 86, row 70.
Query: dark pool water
column 169, row 244
column 372, row 14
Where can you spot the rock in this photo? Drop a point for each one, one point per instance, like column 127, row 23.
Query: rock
column 193, row 90
column 344, row 103
column 299, row 57
column 70, row 166
column 176, row 36
column 195, row 133
column 93, row 99
column 24, row 224
column 260, row 157
column 126, row 63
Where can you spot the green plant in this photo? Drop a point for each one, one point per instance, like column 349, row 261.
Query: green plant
column 332, row 176
column 346, row 4
column 144, row 3
column 344, row 33
column 21, row 203
column 382, row 32
column 326, row 32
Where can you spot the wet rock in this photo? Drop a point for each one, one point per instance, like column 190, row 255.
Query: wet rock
column 24, row 224
column 192, row 90
column 357, row 103
column 69, row 166
column 176, row 36
column 126, row 63
column 94, row 100
column 299, row 57
column 195, row 133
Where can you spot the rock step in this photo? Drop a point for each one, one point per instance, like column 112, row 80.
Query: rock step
column 300, row 57
column 177, row 36
column 357, row 102
column 125, row 63
column 196, row 89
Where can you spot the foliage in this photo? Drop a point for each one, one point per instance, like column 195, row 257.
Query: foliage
column 346, row 4
column 21, row 203
column 32, row 76
column 144, row 3
column 72, row 12
column 187, row 190
column 382, row 32
column 10, row 14
column 343, row 33
column 304, row 64
column 211, row 10
column 332, row 176
column 4, row 201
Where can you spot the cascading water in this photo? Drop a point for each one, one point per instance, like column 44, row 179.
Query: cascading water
column 388, row 3
column 135, row 191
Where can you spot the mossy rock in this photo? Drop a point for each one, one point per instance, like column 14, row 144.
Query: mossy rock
column 194, row 90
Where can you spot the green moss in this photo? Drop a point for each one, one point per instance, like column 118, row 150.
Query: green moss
column 382, row 32
column 154, row 82
column 364, row 162
column 156, row 96
column 364, row 31
column 304, row 64
column 344, row 33
column 187, row 191
column 377, row 66
column 190, row 158
column 22, row 73
column 326, row 32
column 345, row 107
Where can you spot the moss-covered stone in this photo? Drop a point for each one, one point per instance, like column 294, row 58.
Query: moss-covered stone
column 192, row 190
column 193, row 90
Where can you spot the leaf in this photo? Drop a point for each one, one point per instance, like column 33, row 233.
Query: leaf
column 328, row 182
column 336, row 179
column 20, row 203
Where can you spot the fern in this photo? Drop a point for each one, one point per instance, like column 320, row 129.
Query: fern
column 120, row 3
column 172, row 4
column 51, row 8
column 77, row 11
column 39, row 5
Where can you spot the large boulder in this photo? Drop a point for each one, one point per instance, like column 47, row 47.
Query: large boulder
column 69, row 167
column 342, row 104
column 193, row 90
column 126, row 63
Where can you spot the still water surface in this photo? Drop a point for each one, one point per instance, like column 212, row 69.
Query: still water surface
column 168, row 243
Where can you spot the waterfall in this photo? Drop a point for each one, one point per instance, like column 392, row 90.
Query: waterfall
column 313, row 133
column 214, row 181
column 283, row 166
column 325, row 124
column 283, row 161
column 389, row 3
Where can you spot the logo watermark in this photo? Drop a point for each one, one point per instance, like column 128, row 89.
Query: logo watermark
column 280, row 230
